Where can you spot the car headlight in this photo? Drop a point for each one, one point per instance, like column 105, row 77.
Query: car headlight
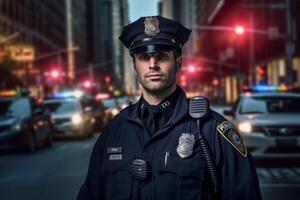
column 115, row 111
column 16, row 127
column 76, row 119
column 245, row 127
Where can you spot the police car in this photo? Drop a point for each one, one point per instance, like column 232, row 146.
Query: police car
column 70, row 118
column 269, row 121
column 24, row 122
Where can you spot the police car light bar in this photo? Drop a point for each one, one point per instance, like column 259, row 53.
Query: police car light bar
column 66, row 94
column 266, row 88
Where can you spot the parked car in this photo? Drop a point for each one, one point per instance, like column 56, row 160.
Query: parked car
column 97, row 111
column 269, row 123
column 24, row 123
column 69, row 117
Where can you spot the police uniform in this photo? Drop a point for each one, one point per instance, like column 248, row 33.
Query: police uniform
column 172, row 162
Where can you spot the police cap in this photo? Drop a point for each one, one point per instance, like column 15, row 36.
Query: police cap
column 154, row 34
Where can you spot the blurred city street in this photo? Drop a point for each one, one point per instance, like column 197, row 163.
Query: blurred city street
column 58, row 173
column 64, row 74
column 55, row 173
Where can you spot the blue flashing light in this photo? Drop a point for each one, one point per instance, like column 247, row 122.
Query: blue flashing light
column 59, row 95
column 265, row 88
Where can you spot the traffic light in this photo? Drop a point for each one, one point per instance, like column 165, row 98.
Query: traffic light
column 261, row 71
column 183, row 81
column 54, row 74
column 87, row 84
column 107, row 79
column 191, row 68
column 215, row 82
column 262, row 74
column 239, row 30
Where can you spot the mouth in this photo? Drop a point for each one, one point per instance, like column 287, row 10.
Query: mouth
column 154, row 76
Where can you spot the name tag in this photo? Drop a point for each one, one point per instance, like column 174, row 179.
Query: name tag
column 114, row 150
column 115, row 157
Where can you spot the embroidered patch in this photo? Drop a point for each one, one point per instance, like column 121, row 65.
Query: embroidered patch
column 228, row 131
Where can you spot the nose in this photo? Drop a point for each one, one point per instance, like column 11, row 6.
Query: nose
column 153, row 62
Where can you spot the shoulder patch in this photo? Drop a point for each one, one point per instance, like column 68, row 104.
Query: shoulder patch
column 228, row 131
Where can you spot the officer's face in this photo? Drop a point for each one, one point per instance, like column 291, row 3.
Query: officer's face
column 156, row 72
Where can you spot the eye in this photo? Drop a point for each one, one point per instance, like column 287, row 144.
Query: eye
column 162, row 56
column 143, row 56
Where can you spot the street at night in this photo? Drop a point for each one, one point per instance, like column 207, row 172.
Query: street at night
column 55, row 173
column 181, row 91
column 58, row 173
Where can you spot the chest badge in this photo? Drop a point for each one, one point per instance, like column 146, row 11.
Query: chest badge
column 186, row 145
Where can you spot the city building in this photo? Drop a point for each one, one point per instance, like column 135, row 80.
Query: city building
column 107, row 55
column 266, row 51
column 239, row 43
column 43, row 32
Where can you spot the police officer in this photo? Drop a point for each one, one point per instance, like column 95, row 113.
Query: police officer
column 151, row 149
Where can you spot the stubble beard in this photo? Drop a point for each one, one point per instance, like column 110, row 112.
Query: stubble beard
column 163, row 88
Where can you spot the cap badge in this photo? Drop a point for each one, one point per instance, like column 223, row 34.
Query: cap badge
column 151, row 26
column 186, row 145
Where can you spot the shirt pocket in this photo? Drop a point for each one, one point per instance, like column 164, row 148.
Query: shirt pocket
column 118, row 180
column 180, row 178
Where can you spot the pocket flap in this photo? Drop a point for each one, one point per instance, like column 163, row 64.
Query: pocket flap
column 118, row 165
column 182, row 168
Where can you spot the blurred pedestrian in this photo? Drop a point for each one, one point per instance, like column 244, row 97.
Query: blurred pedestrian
column 153, row 149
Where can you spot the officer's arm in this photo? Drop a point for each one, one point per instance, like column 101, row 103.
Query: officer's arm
column 236, row 172
column 92, row 187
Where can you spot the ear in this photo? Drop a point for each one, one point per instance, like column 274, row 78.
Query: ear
column 178, row 63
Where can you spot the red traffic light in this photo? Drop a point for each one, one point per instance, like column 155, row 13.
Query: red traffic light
column 107, row 79
column 261, row 71
column 239, row 30
column 54, row 74
column 215, row 82
column 183, row 81
column 191, row 68
column 87, row 84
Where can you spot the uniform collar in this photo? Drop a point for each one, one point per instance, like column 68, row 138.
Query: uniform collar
column 178, row 109
column 166, row 106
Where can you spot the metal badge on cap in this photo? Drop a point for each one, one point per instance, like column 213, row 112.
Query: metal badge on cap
column 151, row 26
column 186, row 145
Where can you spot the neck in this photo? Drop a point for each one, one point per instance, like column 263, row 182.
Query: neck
column 155, row 99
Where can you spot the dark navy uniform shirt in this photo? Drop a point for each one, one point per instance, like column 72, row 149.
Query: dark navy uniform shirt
column 162, row 111
column 171, row 176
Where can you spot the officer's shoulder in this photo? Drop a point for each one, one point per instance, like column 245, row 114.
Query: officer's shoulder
column 125, row 111
column 216, row 116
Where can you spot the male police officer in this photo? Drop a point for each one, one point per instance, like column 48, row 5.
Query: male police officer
column 150, row 150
